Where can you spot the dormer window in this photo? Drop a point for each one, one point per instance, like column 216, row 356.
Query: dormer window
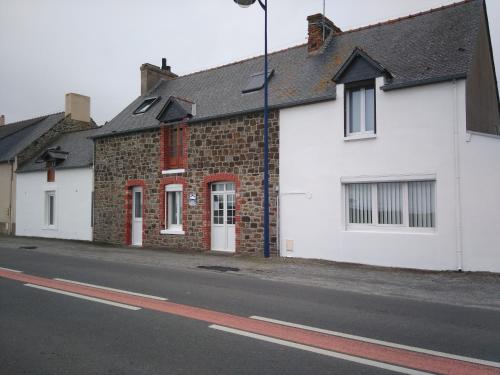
column 145, row 105
column 360, row 108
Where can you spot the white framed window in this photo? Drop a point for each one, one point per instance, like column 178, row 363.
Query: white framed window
column 50, row 209
column 391, row 204
column 173, row 209
column 360, row 109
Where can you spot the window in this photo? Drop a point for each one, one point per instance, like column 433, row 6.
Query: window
column 360, row 109
column 175, row 139
column 391, row 204
column 256, row 81
column 145, row 105
column 173, row 209
column 50, row 209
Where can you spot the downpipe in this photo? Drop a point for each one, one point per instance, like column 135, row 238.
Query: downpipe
column 458, row 182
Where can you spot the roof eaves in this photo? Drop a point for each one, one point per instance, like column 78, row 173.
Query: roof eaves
column 421, row 82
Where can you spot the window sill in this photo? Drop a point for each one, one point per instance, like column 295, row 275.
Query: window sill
column 172, row 231
column 354, row 137
column 394, row 229
column 49, row 228
column 173, row 171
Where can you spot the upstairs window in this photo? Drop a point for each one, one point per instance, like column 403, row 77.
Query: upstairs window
column 256, row 81
column 175, row 146
column 360, row 108
column 145, row 105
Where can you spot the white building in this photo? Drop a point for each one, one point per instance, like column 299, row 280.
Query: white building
column 54, row 191
column 401, row 169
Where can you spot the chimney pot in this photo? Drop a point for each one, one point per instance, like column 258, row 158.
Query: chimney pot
column 151, row 74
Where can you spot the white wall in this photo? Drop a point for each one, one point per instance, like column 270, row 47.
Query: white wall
column 415, row 136
column 480, row 190
column 73, row 189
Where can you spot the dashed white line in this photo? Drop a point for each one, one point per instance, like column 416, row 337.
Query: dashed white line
column 380, row 342
column 346, row 357
column 9, row 269
column 116, row 304
column 113, row 289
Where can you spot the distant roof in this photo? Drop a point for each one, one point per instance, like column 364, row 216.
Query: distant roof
column 77, row 144
column 16, row 136
column 431, row 46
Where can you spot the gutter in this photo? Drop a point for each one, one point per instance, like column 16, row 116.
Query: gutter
column 221, row 116
column 458, row 192
column 11, row 162
column 428, row 81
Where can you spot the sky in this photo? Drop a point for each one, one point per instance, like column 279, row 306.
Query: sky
column 95, row 47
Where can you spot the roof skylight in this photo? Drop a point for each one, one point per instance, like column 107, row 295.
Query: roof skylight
column 256, row 81
column 146, row 104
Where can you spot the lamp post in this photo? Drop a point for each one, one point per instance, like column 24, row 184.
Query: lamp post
column 263, row 4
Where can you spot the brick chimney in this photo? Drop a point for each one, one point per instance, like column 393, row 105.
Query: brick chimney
column 78, row 107
column 2, row 120
column 151, row 74
column 316, row 37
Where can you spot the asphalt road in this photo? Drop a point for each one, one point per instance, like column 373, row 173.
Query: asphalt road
column 42, row 332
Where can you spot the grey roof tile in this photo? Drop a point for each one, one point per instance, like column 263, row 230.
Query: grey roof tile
column 80, row 150
column 15, row 137
column 415, row 49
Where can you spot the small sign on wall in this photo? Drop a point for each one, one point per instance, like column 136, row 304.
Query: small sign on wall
column 192, row 199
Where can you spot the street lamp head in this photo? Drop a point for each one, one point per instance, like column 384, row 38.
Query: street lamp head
column 244, row 3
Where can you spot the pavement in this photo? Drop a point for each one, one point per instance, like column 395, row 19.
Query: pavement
column 466, row 289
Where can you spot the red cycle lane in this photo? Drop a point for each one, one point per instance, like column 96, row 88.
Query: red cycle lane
column 400, row 357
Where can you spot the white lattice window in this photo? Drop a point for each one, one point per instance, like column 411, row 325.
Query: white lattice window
column 408, row 204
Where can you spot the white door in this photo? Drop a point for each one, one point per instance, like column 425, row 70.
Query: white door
column 137, row 216
column 223, row 235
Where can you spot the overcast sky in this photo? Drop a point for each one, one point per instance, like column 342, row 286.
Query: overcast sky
column 95, row 47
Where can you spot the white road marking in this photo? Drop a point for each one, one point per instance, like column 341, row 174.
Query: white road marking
column 113, row 289
column 380, row 342
column 129, row 307
column 346, row 357
column 9, row 269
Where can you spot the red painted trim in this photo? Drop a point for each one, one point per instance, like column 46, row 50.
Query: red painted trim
column 167, row 181
column 182, row 161
column 362, row 349
column 207, row 180
column 129, row 185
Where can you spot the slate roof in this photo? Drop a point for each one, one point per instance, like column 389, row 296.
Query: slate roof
column 431, row 46
column 15, row 137
column 80, row 150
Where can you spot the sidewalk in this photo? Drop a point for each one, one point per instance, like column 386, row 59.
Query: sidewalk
column 464, row 289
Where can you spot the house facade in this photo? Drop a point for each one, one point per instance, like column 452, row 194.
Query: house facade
column 55, row 190
column 376, row 138
column 21, row 141
column 405, row 173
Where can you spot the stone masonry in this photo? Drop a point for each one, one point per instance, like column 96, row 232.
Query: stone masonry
column 216, row 151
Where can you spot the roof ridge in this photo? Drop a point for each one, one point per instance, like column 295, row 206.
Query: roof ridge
column 39, row 118
column 410, row 16
column 237, row 62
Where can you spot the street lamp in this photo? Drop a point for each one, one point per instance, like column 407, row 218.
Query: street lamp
column 245, row 4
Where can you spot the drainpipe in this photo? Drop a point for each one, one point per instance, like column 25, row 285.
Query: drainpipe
column 458, row 192
column 11, row 162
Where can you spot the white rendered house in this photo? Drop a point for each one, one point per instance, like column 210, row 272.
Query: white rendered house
column 54, row 192
column 401, row 169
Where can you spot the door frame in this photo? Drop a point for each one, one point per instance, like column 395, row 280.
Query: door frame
column 129, row 186
column 224, row 193
column 133, row 219
column 207, row 207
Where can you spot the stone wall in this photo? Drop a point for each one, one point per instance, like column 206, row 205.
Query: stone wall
column 217, row 150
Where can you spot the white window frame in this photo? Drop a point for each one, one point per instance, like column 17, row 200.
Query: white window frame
column 48, row 225
column 363, row 133
column 169, row 227
column 375, row 225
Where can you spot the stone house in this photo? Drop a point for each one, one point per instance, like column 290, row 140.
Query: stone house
column 21, row 141
column 181, row 166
